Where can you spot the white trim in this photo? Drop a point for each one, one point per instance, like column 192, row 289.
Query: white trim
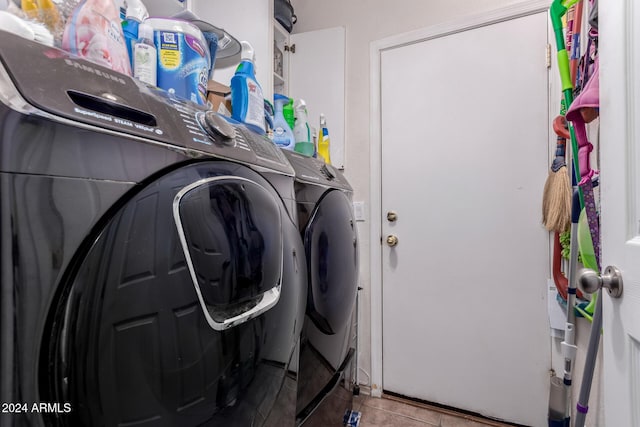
column 524, row 8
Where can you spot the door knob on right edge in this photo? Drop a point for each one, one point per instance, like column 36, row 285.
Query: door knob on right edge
column 611, row 280
column 392, row 240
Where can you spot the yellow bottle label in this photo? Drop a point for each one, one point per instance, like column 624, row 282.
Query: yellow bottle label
column 324, row 145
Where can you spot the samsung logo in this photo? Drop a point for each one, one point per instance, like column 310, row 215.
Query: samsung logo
column 95, row 71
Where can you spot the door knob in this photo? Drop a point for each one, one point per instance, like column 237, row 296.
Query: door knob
column 392, row 216
column 611, row 280
column 392, row 240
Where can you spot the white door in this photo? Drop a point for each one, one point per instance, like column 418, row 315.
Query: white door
column 620, row 217
column 464, row 158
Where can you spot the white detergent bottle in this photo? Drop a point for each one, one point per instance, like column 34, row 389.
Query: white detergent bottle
column 282, row 134
column 145, row 56
column 301, row 130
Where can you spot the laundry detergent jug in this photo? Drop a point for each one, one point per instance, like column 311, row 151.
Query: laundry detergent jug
column 184, row 58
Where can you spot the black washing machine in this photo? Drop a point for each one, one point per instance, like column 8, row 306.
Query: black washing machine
column 328, row 228
column 152, row 270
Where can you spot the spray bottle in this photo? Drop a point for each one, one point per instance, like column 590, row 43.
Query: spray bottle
column 246, row 93
column 282, row 134
column 301, row 131
column 323, row 141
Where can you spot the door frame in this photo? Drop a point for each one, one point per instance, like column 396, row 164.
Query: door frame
column 524, row 8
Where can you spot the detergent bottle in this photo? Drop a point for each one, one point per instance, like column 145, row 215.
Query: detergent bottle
column 323, row 141
column 247, row 102
column 289, row 116
column 301, row 131
column 282, row 134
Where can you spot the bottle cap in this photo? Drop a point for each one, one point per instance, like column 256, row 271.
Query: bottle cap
column 145, row 31
column 136, row 10
column 248, row 54
column 300, row 105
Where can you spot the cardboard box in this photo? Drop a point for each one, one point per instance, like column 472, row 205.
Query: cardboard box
column 219, row 96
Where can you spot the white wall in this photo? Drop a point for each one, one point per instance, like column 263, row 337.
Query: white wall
column 365, row 22
column 248, row 20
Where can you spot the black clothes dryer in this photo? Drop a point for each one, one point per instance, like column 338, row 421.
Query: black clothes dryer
column 328, row 229
column 152, row 270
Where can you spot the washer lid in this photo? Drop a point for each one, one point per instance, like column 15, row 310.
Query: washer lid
column 227, row 44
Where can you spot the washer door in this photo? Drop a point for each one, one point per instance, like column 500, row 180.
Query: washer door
column 331, row 243
column 178, row 314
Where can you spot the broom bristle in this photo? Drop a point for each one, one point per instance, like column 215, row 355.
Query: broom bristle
column 556, row 201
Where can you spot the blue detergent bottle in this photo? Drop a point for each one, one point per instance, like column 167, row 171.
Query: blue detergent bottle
column 282, row 133
column 247, row 101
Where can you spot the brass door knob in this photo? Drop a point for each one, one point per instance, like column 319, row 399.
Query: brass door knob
column 392, row 240
column 392, row 216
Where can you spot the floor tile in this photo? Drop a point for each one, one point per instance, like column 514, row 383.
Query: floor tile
column 462, row 421
column 404, row 409
column 374, row 417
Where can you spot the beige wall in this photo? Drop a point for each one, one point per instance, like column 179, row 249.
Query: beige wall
column 365, row 22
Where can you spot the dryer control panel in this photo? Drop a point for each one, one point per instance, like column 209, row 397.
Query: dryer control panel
column 75, row 89
column 314, row 171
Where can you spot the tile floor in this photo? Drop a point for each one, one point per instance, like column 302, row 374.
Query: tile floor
column 391, row 412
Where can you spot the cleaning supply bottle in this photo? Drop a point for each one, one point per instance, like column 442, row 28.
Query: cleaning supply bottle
column 323, row 141
column 51, row 18
column 135, row 13
column 282, row 134
column 287, row 111
column 246, row 93
column 301, row 131
column 145, row 56
column 30, row 8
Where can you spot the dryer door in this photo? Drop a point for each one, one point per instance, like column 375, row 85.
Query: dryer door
column 178, row 314
column 331, row 245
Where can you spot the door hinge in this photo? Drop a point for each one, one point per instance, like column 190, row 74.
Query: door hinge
column 548, row 55
column 291, row 48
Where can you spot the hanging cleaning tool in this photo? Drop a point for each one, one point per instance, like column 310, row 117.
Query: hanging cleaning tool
column 282, row 133
column 556, row 215
column 556, row 199
column 324, row 148
column 246, row 93
column 584, row 110
column 301, row 131
column 557, row 10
